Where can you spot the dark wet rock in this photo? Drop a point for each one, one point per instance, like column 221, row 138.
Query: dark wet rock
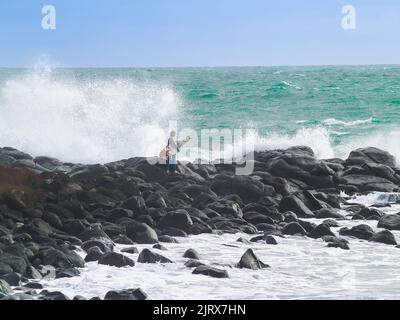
column 141, row 233
column 266, row 211
column 334, row 239
column 12, row 278
column 250, row 261
column 243, row 240
column 53, row 220
column 246, row 187
column 257, row 218
column 130, row 250
column 173, row 232
column 390, row 222
column 200, row 228
column 123, row 239
column 119, row 213
column 93, row 254
column 290, row 217
column 371, row 155
column 331, row 223
column 62, row 258
column 67, row 273
column 11, row 263
column 56, row 295
column 135, row 203
column 79, row 298
column 156, row 200
column 358, row 217
column 326, row 213
column 211, row 272
column 338, row 245
column 227, row 208
column 193, row 263
column 167, row 239
column 160, row 247
column 321, row 231
column 191, row 254
column 385, row 237
column 293, row 228
column 179, row 219
column 75, row 227
column 294, row 204
column 33, row 285
column 367, row 213
column 270, row 240
column 5, row 289
column 361, row 231
column 369, row 183
column 116, row 260
column 105, row 245
column 94, row 232
column 128, row 294
column 147, row 256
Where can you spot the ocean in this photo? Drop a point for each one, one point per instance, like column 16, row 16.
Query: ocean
column 101, row 115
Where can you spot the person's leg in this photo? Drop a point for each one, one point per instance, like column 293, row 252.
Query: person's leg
column 168, row 164
column 173, row 163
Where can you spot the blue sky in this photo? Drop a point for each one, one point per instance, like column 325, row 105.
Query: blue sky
column 163, row 33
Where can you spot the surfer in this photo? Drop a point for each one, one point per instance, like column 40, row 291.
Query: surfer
column 171, row 151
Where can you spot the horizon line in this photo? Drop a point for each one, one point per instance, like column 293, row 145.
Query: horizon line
column 206, row 66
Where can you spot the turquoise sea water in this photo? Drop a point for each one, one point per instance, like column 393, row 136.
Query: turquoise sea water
column 104, row 114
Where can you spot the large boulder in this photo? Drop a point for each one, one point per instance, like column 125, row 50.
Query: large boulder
column 371, row 155
column 390, row 222
column 294, row 228
column 135, row 203
column 12, row 263
column 128, row 294
column 147, row 256
column 211, row 272
column 385, row 237
column 141, row 233
column 179, row 219
column 248, row 188
column 116, row 260
column 294, row 204
column 321, row 231
column 361, row 231
column 250, row 261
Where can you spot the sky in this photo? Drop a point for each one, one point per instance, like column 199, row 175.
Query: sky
column 178, row 33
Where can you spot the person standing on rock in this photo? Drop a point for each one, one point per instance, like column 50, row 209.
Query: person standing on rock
column 172, row 150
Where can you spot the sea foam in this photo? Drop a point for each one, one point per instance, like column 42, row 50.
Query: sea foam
column 85, row 121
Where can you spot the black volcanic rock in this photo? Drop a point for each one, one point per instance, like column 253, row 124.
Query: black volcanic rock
column 128, row 294
column 385, row 237
column 211, row 272
column 250, row 261
column 147, row 256
column 294, row 204
column 179, row 219
column 293, row 228
column 116, row 260
column 390, row 222
column 361, row 231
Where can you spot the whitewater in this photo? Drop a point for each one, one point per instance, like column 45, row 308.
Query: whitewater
column 103, row 115
column 301, row 268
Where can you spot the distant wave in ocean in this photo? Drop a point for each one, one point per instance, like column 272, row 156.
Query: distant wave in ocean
column 102, row 115
column 334, row 122
column 85, row 121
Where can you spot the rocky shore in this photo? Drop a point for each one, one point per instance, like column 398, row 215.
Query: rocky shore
column 49, row 209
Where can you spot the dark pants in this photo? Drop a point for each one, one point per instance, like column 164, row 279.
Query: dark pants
column 171, row 163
